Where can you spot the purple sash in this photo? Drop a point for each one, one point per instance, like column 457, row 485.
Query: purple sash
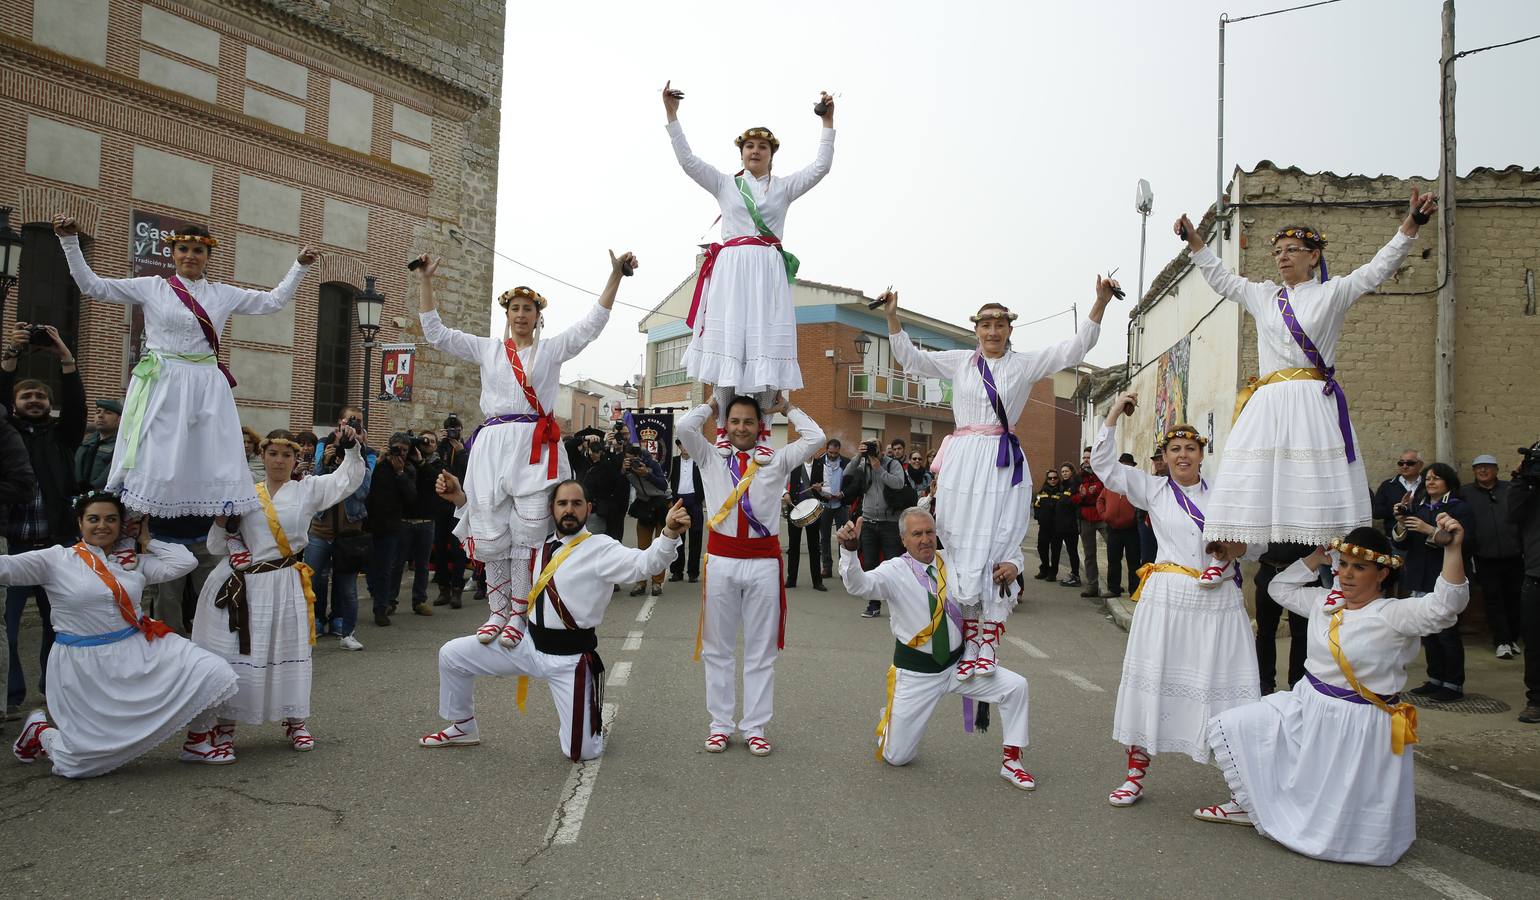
column 503, row 419
column 953, row 611
column 1009, row 453
column 755, row 525
column 1332, row 388
column 1194, row 513
column 204, row 322
column 1348, row 694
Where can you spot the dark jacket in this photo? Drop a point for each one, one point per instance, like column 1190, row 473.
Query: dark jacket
column 607, row 486
column 1045, row 507
column 1496, row 537
column 51, row 445
column 673, row 479
column 427, row 504
column 1524, row 513
column 1067, row 511
column 799, row 485
column 1382, row 505
column 1423, row 563
column 391, row 495
column 17, row 483
column 93, row 461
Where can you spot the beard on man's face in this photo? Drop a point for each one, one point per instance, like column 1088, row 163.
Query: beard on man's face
column 569, row 524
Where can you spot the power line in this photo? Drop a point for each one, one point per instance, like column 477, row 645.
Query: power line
column 1464, row 53
column 1281, row 11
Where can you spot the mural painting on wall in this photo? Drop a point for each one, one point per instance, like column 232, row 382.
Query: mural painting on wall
column 1171, row 386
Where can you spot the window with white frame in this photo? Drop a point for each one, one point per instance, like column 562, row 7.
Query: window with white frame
column 668, row 361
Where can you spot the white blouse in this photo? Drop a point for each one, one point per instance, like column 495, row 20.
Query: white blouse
column 296, row 502
column 772, row 194
column 894, row 583
column 769, row 483
column 82, row 603
column 586, row 579
column 168, row 325
column 1319, row 307
column 1379, row 639
column 500, row 391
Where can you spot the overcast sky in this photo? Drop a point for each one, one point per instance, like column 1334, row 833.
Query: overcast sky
column 986, row 150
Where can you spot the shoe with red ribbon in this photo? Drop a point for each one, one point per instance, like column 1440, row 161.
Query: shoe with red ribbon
column 29, row 744
column 1011, row 770
column 716, row 742
column 758, row 746
column 969, row 661
column 202, row 747
column 298, row 735
column 1214, row 575
column 1229, row 813
column 1132, row 789
column 989, row 643
column 458, row 734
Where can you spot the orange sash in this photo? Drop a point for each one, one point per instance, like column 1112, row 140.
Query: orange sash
column 150, row 628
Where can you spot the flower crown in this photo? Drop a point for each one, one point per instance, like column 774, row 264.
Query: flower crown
column 993, row 312
column 1364, row 553
column 752, row 133
column 1189, row 433
column 1312, row 238
column 282, row 442
column 203, row 239
column 507, row 297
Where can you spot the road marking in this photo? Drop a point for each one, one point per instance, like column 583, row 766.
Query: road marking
column 567, row 820
column 1438, row 881
column 646, row 612
column 1078, row 681
column 633, row 641
column 1027, row 648
column 619, row 675
column 1531, row 795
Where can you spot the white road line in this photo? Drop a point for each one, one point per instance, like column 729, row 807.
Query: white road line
column 1438, row 881
column 633, row 641
column 619, row 675
column 646, row 612
column 1027, row 648
column 1531, row 795
column 567, row 820
column 1078, row 681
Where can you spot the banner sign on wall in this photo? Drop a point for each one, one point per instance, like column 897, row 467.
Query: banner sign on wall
column 396, row 370
column 149, row 254
column 654, row 431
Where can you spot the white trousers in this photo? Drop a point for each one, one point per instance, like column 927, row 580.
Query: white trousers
column 461, row 660
column 915, row 695
column 741, row 594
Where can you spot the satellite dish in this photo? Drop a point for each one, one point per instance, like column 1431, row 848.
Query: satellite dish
column 1144, row 198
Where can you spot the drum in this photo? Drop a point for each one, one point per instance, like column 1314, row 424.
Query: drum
column 806, row 512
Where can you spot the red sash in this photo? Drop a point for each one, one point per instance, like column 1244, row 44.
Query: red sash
column 150, row 628
column 710, row 262
column 204, row 322
column 547, row 432
column 730, row 547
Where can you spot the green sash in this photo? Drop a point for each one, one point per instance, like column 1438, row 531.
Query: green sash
column 792, row 263
column 145, row 374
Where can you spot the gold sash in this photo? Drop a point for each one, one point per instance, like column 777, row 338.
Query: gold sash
column 1308, row 373
column 521, row 691
column 1403, row 716
column 283, row 547
column 728, row 506
column 1151, row 568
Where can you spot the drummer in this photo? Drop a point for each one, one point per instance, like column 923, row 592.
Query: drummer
column 803, row 505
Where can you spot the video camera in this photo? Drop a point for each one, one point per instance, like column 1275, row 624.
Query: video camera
column 1529, row 466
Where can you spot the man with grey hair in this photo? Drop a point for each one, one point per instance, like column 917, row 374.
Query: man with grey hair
column 927, row 628
column 1395, row 489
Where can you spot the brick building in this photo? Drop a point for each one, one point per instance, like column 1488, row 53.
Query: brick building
column 1188, row 338
column 366, row 127
column 861, row 396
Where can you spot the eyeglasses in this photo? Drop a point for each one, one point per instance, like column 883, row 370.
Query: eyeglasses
column 1281, row 251
column 1409, row 462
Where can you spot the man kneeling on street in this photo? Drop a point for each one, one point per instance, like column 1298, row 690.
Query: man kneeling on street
column 572, row 588
column 927, row 628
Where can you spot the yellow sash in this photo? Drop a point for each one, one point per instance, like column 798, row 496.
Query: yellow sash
column 283, row 547
column 521, row 692
column 939, row 614
column 1403, row 716
column 728, row 505
column 1151, row 568
column 887, row 712
column 1308, row 373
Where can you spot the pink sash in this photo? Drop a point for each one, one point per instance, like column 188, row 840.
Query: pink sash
column 204, row 322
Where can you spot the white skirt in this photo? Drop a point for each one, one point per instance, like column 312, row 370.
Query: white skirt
column 1190, row 655
column 115, row 702
column 980, row 518
column 274, row 679
column 506, row 504
column 1284, row 475
column 746, row 337
column 1317, row 775
column 191, row 459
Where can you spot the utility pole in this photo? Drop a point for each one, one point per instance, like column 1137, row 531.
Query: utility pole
column 1443, row 342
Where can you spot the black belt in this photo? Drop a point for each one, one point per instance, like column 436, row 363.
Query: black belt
column 564, row 641
column 583, row 643
column 232, row 596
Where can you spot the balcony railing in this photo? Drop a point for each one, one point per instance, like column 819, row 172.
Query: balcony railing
column 893, row 386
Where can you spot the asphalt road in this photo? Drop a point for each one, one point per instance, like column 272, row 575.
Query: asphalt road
column 368, row 813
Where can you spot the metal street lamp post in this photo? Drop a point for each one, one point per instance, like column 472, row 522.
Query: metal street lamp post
column 369, row 303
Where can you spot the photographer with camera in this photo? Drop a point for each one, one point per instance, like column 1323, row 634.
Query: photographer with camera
column 1524, row 514
column 339, row 549
column 392, row 493
column 40, row 516
column 416, row 540
column 448, row 557
column 1417, row 534
column 649, row 488
column 604, row 478
column 882, row 485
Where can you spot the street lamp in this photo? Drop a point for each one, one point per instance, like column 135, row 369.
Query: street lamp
column 1144, row 202
column 10, row 256
column 370, row 303
column 863, row 344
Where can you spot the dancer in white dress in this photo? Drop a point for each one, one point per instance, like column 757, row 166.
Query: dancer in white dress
column 516, row 454
column 1291, row 472
column 1326, row 769
column 119, row 682
column 984, row 490
column 256, row 609
column 1190, row 652
column 180, row 391
column 743, row 327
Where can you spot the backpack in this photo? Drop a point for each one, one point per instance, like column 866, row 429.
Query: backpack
column 1115, row 509
column 901, row 498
